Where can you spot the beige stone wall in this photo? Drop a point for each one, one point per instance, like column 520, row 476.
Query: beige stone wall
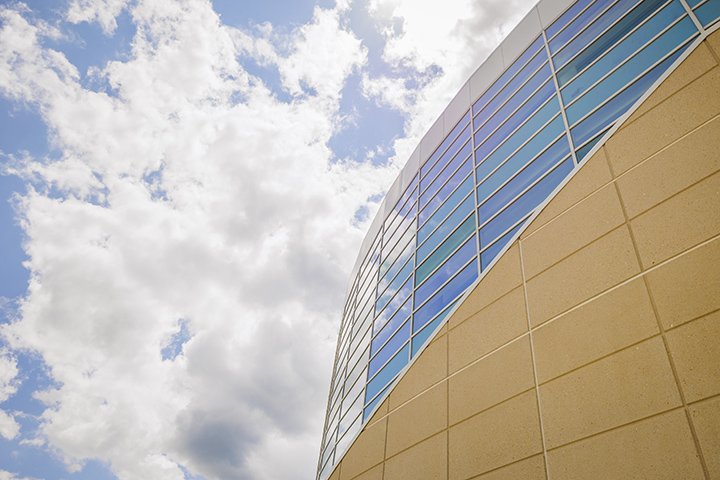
column 592, row 349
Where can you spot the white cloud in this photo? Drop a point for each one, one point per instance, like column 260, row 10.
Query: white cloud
column 189, row 193
column 9, row 428
column 103, row 12
column 441, row 44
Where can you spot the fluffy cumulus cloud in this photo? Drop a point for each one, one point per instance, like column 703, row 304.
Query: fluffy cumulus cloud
column 435, row 46
column 9, row 428
column 190, row 242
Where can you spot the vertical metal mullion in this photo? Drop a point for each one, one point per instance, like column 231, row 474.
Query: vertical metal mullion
column 559, row 98
column 694, row 19
column 474, row 194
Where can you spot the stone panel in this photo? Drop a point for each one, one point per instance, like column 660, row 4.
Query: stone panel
column 695, row 349
column 627, row 386
column 706, row 419
column 366, row 452
column 497, row 437
column 587, row 272
column 688, row 286
column 429, row 369
column 580, row 225
column 417, row 420
column 659, row 448
column 605, row 325
column 495, row 378
column 493, row 326
column 427, row 459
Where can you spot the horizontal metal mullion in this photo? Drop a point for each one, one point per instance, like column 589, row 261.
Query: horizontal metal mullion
column 569, row 22
column 445, row 150
column 443, row 240
column 450, row 279
column 580, row 32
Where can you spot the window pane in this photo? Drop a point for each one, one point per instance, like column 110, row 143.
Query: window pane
column 527, row 131
column 577, row 25
column 507, row 75
column 566, row 17
column 445, row 191
column 388, row 373
column 546, row 136
column 441, row 149
column 456, row 261
column 524, row 205
column 448, row 246
column 445, row 295
column 610, row 112
column 395, row 286
column 591, row 33
column 489, row 255
column 423, row 335
column 582, row 152
column 510, row 88
column 709, row 12
column 525, row 92
column 630, row 70
column 386, row 327
column 392, row 346
column 444, row 159
column 536, row 169
column 515, row 120
column 455, row 219
column 463, row 190
column 447, row 173
column 620, row 29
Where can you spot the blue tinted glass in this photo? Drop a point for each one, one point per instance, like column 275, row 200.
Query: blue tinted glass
column 638, row 15
column 582, row 152
column 576, row 25
column 389, row 349
column 533, row 125
column 404, row 203
column 526, row 153
column 443, row 146
column 445, row 191
column 444, row 159
column 489, row 255
column 396, row 250
column 455, row 219
column 369, row 409
column 630, row 70
column 517, row 118
column 708, row 13
column 386, row 324
column 610, row 112
column 619, row 53
column 403, row 293
column 525, row 204
column 515, row 101
column 450, row 268
column 510, row 88
column 447, row 294
column 457, row 238
column 401, row 221
column 395, row 286
column 423, row 335
column 536, row 169
column 566, row 17
column 397, row 266
column 445, row 209
column 507, row 75
column 439, row 181
column 693, row 3
column 388, row 373
column 591, row 33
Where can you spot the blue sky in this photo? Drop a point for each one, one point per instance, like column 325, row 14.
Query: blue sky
column 183, row 185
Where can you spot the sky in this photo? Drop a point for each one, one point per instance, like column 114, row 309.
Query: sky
column 184, row 185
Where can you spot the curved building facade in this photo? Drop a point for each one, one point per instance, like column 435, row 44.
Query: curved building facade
column 467, row 344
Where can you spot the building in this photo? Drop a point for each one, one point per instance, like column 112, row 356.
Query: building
column 539, row 294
